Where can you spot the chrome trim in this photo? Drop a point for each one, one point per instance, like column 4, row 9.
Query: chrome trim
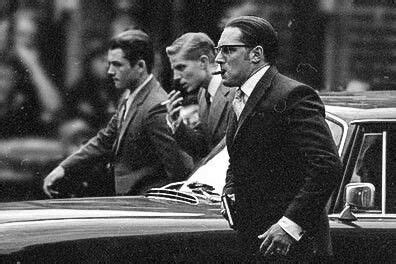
column 364, row 215
column 383, row 194
column 174, row 195
column 358, row 121
column 344, row 125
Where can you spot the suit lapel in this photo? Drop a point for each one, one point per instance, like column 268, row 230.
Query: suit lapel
column 133, row 109
column 218, row 107
column 231, row 128
column 258, row 93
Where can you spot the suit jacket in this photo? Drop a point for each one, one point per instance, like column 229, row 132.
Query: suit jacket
column 283, row 160
column 143, row 151
column 211, row 129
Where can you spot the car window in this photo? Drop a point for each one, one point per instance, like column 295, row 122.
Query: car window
column 368, row 166
column 375, row 164
column 336, row 131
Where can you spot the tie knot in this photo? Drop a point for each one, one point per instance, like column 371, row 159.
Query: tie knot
column 239, row 94
column 124, row 101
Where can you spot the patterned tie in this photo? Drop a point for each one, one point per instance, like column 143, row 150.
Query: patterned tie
column 239, row 102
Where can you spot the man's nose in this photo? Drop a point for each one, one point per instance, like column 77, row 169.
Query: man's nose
column 176, row 75
column 110, row 71
column 219, row 58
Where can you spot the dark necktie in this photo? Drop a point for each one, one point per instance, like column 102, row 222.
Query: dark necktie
column 207, row 97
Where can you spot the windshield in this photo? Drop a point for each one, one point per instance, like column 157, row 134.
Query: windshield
column 212, row 173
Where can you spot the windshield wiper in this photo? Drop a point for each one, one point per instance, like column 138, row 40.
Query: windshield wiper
column 205, row 190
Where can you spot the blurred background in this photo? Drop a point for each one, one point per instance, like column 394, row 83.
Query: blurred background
column 54, row 92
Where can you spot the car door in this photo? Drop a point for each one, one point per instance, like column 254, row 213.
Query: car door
column 366, row 230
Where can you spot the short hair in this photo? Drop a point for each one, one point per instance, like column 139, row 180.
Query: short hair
column 193, row 45
column 136, row 45
column 258, row 31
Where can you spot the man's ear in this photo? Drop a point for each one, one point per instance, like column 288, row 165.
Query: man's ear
column 257, row 54
column 141, row 64
column 204, row 62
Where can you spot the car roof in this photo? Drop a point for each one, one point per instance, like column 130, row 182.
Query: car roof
column 371, row 105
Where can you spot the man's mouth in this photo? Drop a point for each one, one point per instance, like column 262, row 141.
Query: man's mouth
column 222, row 71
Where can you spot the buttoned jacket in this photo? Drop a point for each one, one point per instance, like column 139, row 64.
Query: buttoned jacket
column 283, row 160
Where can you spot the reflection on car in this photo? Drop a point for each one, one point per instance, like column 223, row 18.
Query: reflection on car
column 181, row 222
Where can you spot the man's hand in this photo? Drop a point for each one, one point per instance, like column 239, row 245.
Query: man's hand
column 222, row 209
column 276, row 241
column 174, row 106
column 49, row 181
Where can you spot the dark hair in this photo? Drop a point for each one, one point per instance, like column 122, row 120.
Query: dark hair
column 258, row 31
column 136, row 45
column 193, row 45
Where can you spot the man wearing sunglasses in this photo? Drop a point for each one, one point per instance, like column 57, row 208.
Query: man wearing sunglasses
column 283, row 161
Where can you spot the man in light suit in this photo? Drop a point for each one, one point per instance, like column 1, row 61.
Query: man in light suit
column 137, row 139
column 283, row 161
column 192, row 61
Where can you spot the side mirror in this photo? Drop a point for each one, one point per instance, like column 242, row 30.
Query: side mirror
column 360, row 195
column 357, row 195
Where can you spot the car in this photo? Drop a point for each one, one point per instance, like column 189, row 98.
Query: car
column 23, row 161
column 181, row 222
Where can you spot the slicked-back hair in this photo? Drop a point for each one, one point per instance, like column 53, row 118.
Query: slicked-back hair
column 136, row 45
column 257, row 31
column 193, row 45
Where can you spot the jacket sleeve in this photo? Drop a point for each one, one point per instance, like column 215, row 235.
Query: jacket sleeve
column 96, row 148
column 177, row 163
column 309, row 133
column 229, row 182
column 194, row 141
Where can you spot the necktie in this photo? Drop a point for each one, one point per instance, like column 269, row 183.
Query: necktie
column 205, row 112
column 122, row 112
column 207, row 97
column 238, row 103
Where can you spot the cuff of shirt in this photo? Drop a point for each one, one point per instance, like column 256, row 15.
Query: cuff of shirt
column 173, row 125
column 291, row 228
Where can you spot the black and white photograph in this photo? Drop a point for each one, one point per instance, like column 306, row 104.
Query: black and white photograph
column 206, row 131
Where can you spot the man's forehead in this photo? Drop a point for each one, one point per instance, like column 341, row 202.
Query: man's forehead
column 230, row 36
column 117, row 53
column 178, row 59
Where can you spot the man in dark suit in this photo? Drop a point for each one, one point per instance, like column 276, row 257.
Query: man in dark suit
column 192, row 61
column 136, row 139
column 283, row 161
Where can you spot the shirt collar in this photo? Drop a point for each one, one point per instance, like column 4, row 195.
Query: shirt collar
column 249, row 85
column 214, row 85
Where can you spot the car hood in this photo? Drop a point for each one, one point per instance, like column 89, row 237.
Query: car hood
column 33, row 223
column 103, row 207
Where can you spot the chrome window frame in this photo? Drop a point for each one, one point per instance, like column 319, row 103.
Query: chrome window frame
column 344, row 126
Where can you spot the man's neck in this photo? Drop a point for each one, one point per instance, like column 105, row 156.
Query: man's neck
column 139, row 82
column 257, row 68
